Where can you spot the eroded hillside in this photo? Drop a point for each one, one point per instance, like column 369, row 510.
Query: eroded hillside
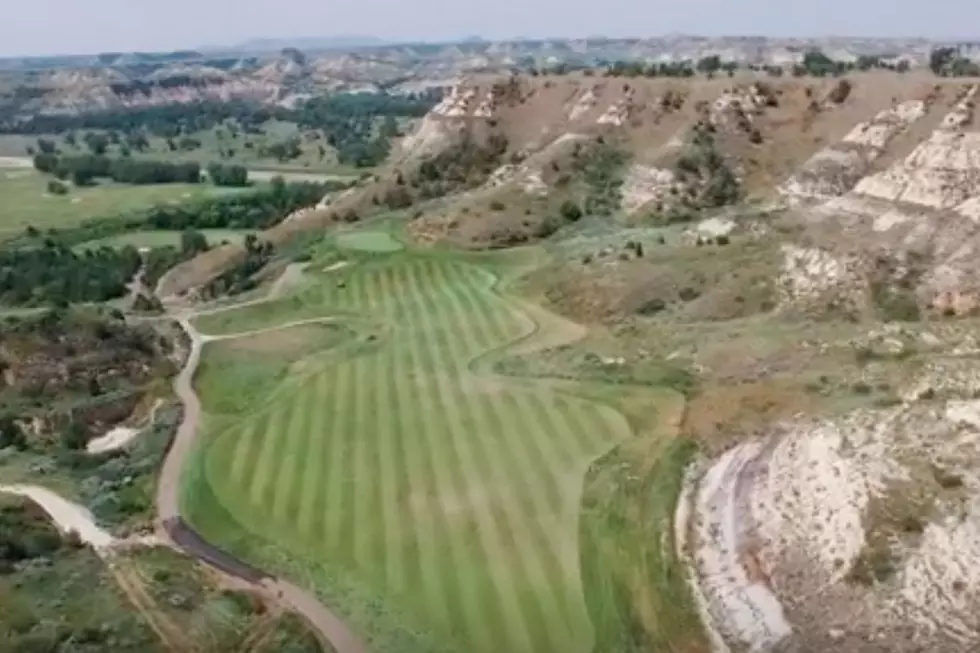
column 497, row 161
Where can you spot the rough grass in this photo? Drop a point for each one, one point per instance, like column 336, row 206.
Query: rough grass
column 214, row 619
column 26, row 201
column 434, row 503
column 635, row 584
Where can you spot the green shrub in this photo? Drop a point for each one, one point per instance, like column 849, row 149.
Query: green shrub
column 570, row 210
column 55, row 187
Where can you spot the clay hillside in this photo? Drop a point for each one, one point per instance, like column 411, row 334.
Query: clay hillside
column 861, row 167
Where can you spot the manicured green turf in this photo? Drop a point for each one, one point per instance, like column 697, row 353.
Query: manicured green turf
column 368, row 241
column 24, row 200
column 157, row 238
column 400, row 466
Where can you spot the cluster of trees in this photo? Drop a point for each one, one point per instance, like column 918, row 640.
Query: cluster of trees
column 946, row 62
column 283, row 151
column 227, row 175
column 53, row 273
column 360, row 126
column 85, row 169
column 259, row 209
column 139, row 87
column 240, row 278
column 815, row 63
column 164, row 121
column 602, row 169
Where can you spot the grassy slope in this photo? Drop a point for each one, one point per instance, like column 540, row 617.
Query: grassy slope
column 26, row 201
column 458, row 505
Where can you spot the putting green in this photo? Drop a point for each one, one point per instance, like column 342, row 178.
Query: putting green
column 368, row 241
column 448, row 496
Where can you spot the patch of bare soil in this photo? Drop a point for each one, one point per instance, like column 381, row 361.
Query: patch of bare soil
column 720, row 415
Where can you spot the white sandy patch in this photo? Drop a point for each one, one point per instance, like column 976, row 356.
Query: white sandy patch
column 714, row 227
column 120, row 436
column 67, row 516
column 117, row 438
column 339, row 265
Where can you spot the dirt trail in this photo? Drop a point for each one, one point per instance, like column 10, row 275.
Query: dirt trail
column 67, row 516
column 132, row 584
column 120, row 436
column 329, row 626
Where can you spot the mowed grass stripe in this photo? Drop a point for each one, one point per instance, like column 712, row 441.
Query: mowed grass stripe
column 242, row 451
column 262, row 490
column 388, row 445
column 336, row 478
column 402, row 552
column 426, row 483
column 480, row 548
column 443, row 460
column 543, row 571
column 495, row 529
column 316, row 459
column 506, row 574
column 550, row 439
column 351, row 533
column 401, row 379
column 251, row 452
column 294, row 441
column 366, row 482
column 521, row 561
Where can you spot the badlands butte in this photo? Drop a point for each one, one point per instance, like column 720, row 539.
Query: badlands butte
column 808, row 251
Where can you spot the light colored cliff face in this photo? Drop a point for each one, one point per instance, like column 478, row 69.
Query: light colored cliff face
column 836, row 169
column 859, row 530
column 926, row 202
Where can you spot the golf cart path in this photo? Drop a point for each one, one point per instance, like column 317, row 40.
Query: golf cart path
column 329, row 625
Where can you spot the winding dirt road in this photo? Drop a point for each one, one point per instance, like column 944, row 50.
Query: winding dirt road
column 328, row 624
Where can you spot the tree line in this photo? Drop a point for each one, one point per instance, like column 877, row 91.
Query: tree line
column 84, row 169
column 358, row 126
column 53, row 273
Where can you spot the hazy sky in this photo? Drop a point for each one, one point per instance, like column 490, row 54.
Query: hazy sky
column 82, row 26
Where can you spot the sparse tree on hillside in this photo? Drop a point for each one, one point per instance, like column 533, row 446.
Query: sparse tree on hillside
column 55, row 187
column 570, row 210
column 47, row 163
column 44, row 146
column 710, row 64
column 192, row 242
column 98, row 144
column 940, row 60
column 82, row 177
column 818, row 64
